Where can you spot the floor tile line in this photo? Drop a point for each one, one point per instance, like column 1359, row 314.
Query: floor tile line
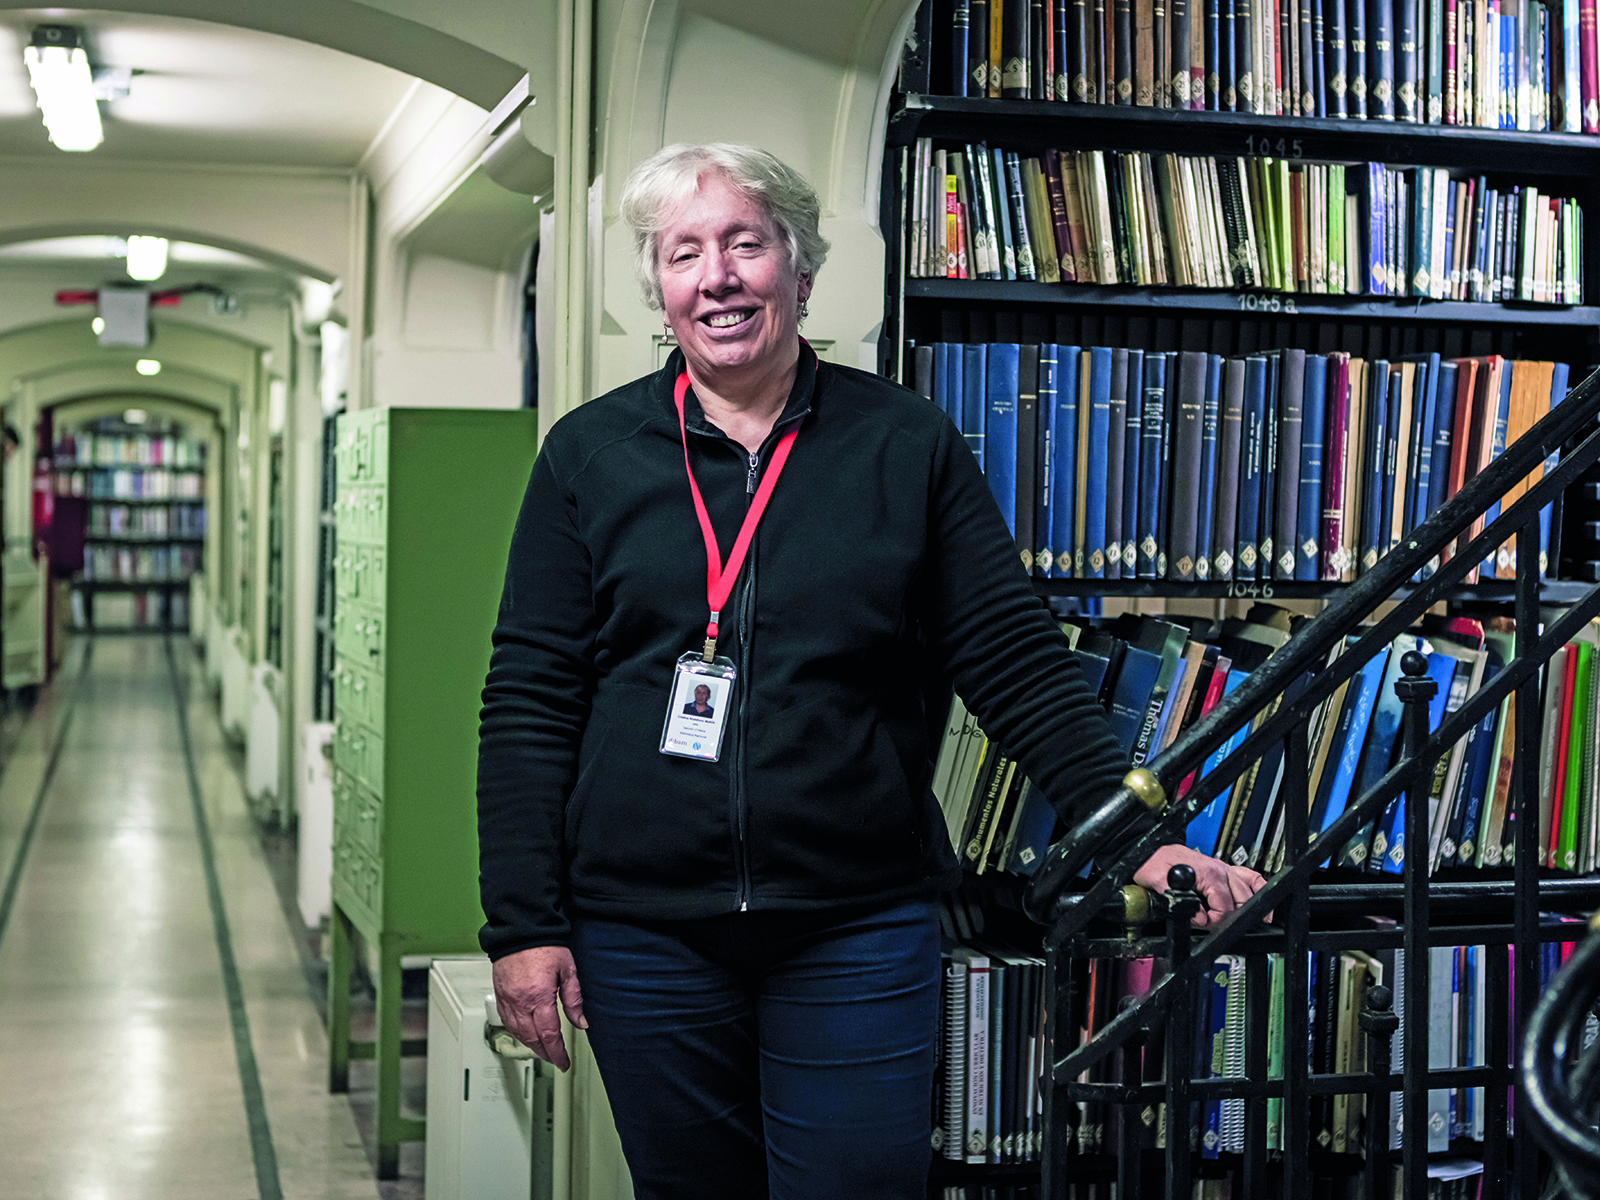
column 262, row 1149
column 25, row 842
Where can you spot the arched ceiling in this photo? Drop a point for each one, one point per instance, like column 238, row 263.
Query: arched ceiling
column 207, row 93
column 381, row 32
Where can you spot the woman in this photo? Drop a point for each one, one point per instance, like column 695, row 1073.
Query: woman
column 754, row 921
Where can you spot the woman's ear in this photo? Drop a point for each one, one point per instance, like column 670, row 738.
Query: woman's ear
column 804, row 287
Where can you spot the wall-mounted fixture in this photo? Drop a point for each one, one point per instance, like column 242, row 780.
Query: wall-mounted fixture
column 58, row 69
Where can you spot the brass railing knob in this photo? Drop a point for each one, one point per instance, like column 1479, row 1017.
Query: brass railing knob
column 1142, row 782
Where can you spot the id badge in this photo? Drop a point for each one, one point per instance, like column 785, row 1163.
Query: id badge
column 697, row 712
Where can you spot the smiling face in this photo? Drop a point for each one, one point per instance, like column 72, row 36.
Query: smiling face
column 702, row 695
column 731, row 294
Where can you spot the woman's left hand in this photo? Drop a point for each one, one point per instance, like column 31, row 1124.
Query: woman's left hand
column 1223, row 887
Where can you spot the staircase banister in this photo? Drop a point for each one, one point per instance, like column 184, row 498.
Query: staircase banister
column 1279, row 887
column 1556, row 1103
column 1110, row 823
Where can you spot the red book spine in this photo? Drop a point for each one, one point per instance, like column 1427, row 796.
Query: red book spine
column 1588, row 68
column 1450, row 89
column 1334, row 559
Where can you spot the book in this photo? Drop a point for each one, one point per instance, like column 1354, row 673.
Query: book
column 1116, row 440
column 1096, row 450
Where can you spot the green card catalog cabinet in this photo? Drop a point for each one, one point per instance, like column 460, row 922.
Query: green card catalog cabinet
column 425, row 503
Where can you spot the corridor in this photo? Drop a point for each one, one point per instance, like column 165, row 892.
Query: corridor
column 157, row 1028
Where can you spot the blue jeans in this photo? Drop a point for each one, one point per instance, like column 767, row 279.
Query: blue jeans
column 766, row 1054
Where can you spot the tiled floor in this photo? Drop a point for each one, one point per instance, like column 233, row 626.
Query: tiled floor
column 118, row 1050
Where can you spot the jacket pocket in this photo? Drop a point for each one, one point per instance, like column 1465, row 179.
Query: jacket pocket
column 641, row 824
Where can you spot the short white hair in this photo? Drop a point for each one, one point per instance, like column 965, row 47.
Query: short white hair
column 661, row 182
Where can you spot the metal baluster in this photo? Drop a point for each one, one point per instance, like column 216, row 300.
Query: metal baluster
column 1525, row 871
column 1182, row 903
column 1258, row 998
column 1497, row 1020
column 1378, row 1021
column 1055, row 1174
column 1415, row 689
column 1295, row 915
column 1130, row 1181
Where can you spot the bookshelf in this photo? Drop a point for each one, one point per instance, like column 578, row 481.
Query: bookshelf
column 130, row 497
column 1236, row 322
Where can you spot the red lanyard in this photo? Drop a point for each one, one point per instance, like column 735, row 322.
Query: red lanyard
column 720, row 579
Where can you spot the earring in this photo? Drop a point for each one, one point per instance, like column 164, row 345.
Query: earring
column 805, row 311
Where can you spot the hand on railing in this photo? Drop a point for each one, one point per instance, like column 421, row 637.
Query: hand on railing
column 1221, row 886
column 1563, row 1099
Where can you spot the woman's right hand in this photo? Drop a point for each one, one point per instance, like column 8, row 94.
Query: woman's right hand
column 526, row 985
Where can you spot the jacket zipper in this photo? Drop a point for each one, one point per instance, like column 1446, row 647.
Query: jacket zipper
column 741, row 812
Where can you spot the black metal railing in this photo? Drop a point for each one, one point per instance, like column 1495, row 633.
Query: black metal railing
column 1561, row 1077
column 1137, row 820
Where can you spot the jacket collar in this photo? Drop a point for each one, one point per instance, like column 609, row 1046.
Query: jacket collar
column 798, row 405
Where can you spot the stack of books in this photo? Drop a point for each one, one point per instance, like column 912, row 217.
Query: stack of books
column 1496, row 64
column 1248, row 222
column 1186, row 466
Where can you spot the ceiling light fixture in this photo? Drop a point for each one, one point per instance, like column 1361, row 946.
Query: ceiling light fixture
column 147, row 366
column 147, row 257
column 98, row 325
column 135, row 416
column 59, row 71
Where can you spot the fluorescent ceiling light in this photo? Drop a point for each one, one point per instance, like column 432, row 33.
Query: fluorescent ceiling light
column 98, row 325
column 147, row 257
column 147, row 366
column 136, row 416
column 65, row 87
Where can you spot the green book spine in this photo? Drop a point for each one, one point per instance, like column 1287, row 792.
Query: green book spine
column 1285, row 216
column 1572, row 799
column 1335, row 200
column 1433, row 42
column 1275, row 971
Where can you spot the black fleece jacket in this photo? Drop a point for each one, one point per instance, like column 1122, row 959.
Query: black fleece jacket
column 881, row 567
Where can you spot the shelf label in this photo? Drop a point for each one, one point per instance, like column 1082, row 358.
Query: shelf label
column 1255, row 302
column 1283, row 147
column 1240, row 590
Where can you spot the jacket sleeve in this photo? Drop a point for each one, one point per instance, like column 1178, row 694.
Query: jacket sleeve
column 996, row 640
column 535, row 707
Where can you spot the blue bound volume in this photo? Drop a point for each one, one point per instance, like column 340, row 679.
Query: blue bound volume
column 1044, row 465
column 1392, row 826
column 1247, row 543
column 1422, row 441
column 1355, row 737
column 1064, row 464
column 1115, row 460
column 974, row 405
column 1393, row 472
column 1153, row 442
column 1378, row 753
column 1000, row 428
column 1130, row 462
column 1444, row 414
column 1210, row 420
column 1308, row 520
column 1094, row 566
column 1130, row 696
column 1207, row 823
column 1558, row 393
column 1375, row 455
